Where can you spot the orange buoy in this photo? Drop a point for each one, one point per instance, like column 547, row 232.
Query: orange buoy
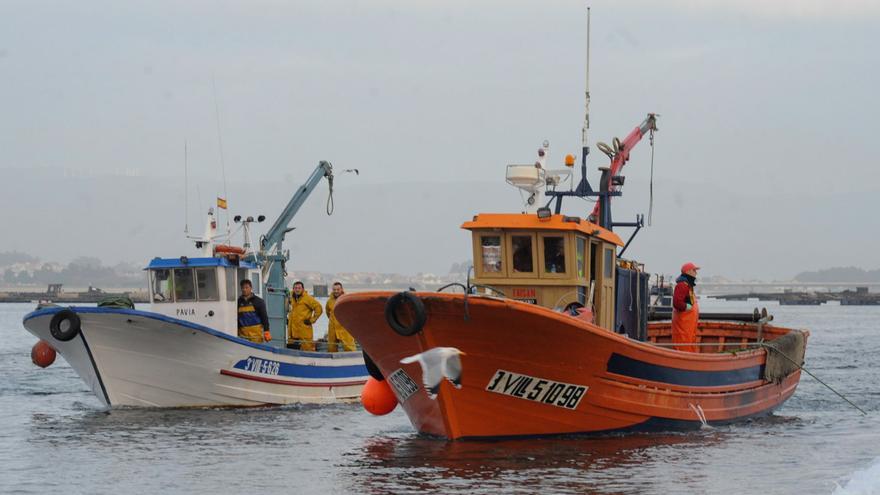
column 377, row 397
column 42, row 354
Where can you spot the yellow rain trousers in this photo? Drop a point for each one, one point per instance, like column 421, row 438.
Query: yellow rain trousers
column 301, row 309
column 336, row 333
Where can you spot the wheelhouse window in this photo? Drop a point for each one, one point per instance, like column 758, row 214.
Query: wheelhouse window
column 231, row 287
column 206, row 283
column 161, row 287
column 609, row 262
column 581, row 257
column 522, row 253
column 490, row 250
column 184, row 288
column 554, row 254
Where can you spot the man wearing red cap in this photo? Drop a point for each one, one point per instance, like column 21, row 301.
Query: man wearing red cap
column 685, row 311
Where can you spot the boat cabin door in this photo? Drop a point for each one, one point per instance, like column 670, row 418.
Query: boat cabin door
column 602, row 278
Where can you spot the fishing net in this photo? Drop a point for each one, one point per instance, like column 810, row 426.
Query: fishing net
column 116, row 302
column 784, row 355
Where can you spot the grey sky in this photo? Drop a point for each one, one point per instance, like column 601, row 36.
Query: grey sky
column 766, row 100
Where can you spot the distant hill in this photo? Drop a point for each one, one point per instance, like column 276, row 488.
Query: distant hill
column 840, row 274
column 17, row 269
column 13, row 257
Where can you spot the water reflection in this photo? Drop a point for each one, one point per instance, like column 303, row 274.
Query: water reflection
column 558, row 465
column 128, row 428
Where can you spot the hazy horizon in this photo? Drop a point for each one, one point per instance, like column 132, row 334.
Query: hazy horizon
column 763, row 161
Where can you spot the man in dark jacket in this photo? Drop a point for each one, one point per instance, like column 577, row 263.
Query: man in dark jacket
column 685, row 310
column 253, row 321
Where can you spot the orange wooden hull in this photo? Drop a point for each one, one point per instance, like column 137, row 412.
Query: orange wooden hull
column 528, row 370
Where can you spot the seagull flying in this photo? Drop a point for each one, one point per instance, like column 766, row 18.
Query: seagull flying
column 438, row 363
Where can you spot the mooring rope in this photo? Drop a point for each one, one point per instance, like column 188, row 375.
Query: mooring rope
column 801, row 367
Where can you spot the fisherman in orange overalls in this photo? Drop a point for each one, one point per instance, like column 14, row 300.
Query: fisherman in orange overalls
column 685, row 310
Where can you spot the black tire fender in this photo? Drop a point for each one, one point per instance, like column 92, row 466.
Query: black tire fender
column 573, row 307
column 372, row 369
column 65, row 325
column 418, row 307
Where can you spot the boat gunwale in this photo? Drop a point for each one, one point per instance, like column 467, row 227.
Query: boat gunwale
column 190, row 325
column 734, row 356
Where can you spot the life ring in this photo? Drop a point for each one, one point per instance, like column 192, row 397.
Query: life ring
column 226, row 249
column 372, row 369
column 418, row 309
column 65, row 325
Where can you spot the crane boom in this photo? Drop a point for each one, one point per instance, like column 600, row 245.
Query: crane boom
column 275, row 235
column 619, row 156
column 272, row 258
column 649, row 124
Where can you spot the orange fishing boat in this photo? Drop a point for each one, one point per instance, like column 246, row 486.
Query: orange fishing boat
column 553, row 331
column 555, row 335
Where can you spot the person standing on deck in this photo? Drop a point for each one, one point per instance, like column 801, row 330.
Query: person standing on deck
column 304, row 312
column 685, row 310
column 335, row 331
column 253, row 321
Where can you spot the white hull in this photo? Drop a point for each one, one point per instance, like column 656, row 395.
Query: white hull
column 137, row 358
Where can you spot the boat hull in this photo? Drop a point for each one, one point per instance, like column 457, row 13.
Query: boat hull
column 138, row 358
column 529, row 371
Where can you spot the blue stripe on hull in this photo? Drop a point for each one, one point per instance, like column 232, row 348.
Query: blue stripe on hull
column 291, row 370
column 634, row 368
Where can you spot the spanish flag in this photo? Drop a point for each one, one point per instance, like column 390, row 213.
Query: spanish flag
column 221, row 203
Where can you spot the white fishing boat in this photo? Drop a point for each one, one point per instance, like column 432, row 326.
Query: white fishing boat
column 185, row 351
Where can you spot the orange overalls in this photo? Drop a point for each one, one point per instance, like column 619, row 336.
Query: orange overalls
column 684, row 326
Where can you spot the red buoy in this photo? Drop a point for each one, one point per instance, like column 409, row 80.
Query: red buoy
column 42, row 354
column 377, row 397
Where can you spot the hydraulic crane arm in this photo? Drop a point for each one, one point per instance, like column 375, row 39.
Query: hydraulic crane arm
column 619, row 155
column 273, row 259
column 275, row 235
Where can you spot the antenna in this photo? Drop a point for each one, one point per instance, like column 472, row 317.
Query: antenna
column 586, row 128
column 185, row 189
column 220, row 145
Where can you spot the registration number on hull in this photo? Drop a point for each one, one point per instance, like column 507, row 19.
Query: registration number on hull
column 526, row 387
column 403, row 385
column 257, row 365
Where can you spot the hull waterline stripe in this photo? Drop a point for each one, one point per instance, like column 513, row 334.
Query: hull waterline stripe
column 654, row 424
column 293, row 370
column 642, row 370
column 95, row 367
column 288, row 382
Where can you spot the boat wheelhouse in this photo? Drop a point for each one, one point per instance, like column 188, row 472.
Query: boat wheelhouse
column 556, row 262
column 201, row 290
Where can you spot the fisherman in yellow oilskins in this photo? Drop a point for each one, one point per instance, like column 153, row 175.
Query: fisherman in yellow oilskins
column 253, row 321
column 304, row 312
column 335, row 331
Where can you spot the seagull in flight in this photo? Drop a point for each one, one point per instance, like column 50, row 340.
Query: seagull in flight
column 438, row 363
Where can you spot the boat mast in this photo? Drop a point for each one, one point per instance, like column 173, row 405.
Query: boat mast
column 583, row 189
column 585, row 149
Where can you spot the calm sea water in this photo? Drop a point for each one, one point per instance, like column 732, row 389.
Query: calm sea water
column 55, row 437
